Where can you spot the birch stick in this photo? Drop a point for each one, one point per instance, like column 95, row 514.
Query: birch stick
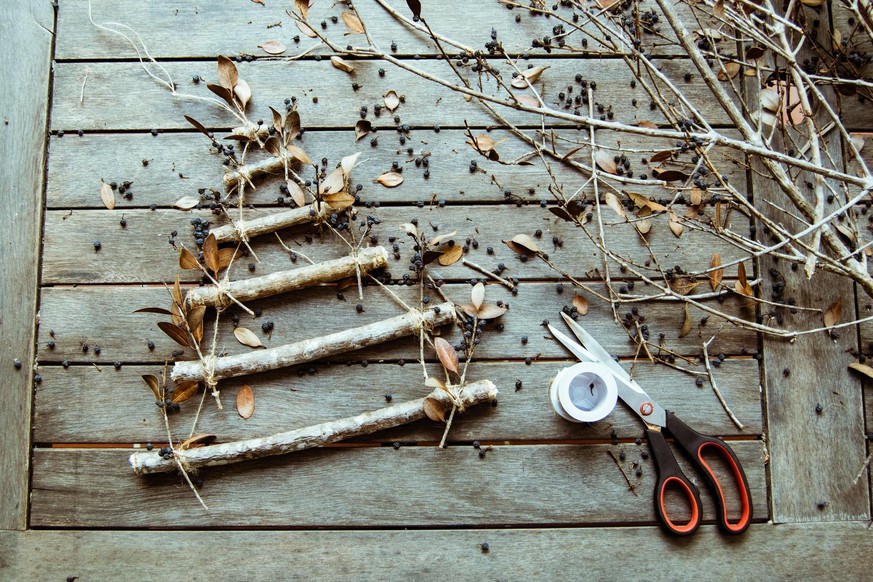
column 284, row 281
column 317, row 435
column 216, row 368
column 270, row 223
column 268, row 166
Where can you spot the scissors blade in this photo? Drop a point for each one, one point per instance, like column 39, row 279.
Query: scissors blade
column 628, row 388
column 577, row 350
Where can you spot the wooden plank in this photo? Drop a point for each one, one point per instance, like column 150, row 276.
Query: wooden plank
column 140, row 253
column 206, row 27
column 66, row 409
column 814, row 405
column 25, row 31
column 102, row 316
column 824, row 550
column 854, row 108
column 109, row 102
column 76, row 165
column 358, row 487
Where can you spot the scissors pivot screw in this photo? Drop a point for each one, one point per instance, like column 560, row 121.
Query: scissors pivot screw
column 646, row 408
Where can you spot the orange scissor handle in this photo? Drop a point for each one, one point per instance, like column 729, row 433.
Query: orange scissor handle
column 696, row 444
column 671, row 476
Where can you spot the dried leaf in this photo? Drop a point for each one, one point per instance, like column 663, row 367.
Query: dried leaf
column 451, row 255
column 696, row 196
column 671, row 175
column 362, row 128
column 298, row 154
column 769, row 98
column 306, row 29
column 392, row 101
column 227, row 73
column 675, row 226
column 613, row 202
column 833, row 313
column 718, row 8
column 729, row 72
column 415, row 7
column 741, row 285
column 606, row 161
column 339, row 200
column 812, row 3
column 440, row 238
column 348, row 162
column 754, row 53
column 187, row 260
column 159, row 310
column 224, row 93
column 107, row 195
column 185, row 391
column 245, row 402
column 342, row 65
column 661, row 156
column 716, row 275
column 647, row 124
column 528, row 77
column 153, row 383
column 197, row 125
column 528, row 100
column 483, row 143
column 410, row 229
column 477, row 295
column 390, row 179
column 210, row 253
column 247, row 337
column 766, row 117
column 862, row 368
column 175, row 332
column 198, row 440
column 527, row 242
column 195, row 321
column 643, row 222
column 683, row 285
column 353, row 22
column 243, row 93
column 273, row 47
column 186, row 202
column 447, row 354
column 291, row 127
column 296, row 193
column 581, row 304
column 686, row 323
column 335, row 182
column 488, row 311
column 434, row 409
column 302, row 7
column 177, row 292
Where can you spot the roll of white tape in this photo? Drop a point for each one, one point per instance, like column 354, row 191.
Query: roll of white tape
column 585, row 392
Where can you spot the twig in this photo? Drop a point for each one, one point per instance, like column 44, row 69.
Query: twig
column 715, row 389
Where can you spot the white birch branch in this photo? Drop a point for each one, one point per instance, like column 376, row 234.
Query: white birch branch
column 268, row 166
column 270, row 223
column 306, row 438
column 341, row 342
column 284, row 281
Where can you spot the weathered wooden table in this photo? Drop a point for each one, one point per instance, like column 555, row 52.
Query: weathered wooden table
column 548, row 500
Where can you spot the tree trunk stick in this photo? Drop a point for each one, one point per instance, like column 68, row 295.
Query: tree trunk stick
column 268, row 166
column 316, row 348
column 270, row 223
column 284, row 281
column 306, row 438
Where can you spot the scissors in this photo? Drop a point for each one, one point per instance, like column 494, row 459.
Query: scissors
column 657, row 421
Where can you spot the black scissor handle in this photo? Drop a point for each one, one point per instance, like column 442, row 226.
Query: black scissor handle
column 670, row 475
column 695, row 444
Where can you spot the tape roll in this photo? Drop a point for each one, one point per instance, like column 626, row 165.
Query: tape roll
column 585, row 392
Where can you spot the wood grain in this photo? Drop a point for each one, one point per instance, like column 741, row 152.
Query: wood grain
column 140, row 252
column 358, row 487
column 25, row 31
column 206, row 27
column 103, row 316
column 179, row 164
column 109, row 406
column 825, row 550
column 426, row 103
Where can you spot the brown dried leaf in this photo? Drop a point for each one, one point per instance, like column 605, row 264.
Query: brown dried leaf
column 718, row 8
column 341, row 64
column 339, row 200
column 671, row 175
column 198, row 440
column 195, row 321
column 185, row 391
column 488, row 311
column 696, row 196
column 390, row 179
column 715, row 276
column 415, row 7
column 362, row 128
column 153, row 383
column 661, row 156
column 159, row 310
column 686, row 323
column 741, row 285
column 392, row 101
column 176, row 313
column 291, row 127
column 862, row 368
column 335, row 182
column 647, row 124
column 175, row 332
column 186, row 202
column 302, row 7
column 526, row 242
column 528, row 77
column 296, row 193
column 754, row 53
column 528, row 100
column 451, row 255
column 245, row 402
column 643, row 222
column 353, row 22
column 812, row 3
column 224, row 93
column 227, row 73
column 447, row 354
column 683, row 285
column 225, row 256
column 197, row 125
column 247, row 337
column 477, row 295
column 483, row 143
column 297, row 153
column 107, row 195
column 305, row 29
column 434, row 409
column 675, row 226
column 210, row 253
column 581, row 304
column 833, row 313
column 607, row 4
column 729, row 72
column 177, row 291
column 613, row 202
column 606, row 161
column 273, row 47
